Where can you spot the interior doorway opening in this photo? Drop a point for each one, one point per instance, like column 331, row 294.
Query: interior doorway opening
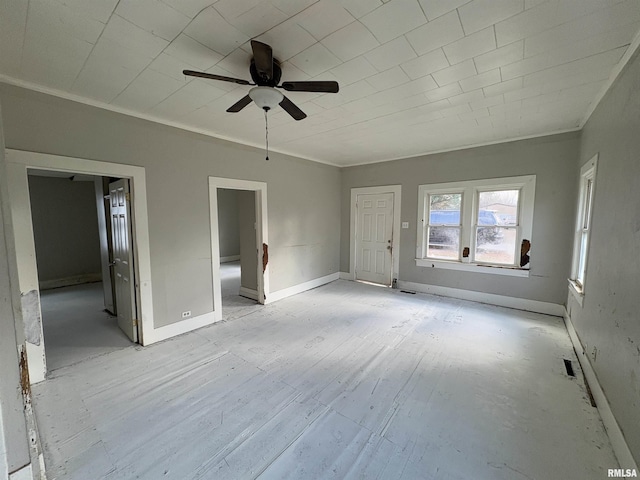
column 82, row 227
column 239, row 245
column 238, row 251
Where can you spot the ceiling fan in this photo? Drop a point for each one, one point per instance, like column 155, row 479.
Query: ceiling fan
column 266, row 72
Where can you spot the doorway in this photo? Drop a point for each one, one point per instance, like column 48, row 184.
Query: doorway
column 375, row 239
column 84, row 258
column 19, row 163
column 239, row 245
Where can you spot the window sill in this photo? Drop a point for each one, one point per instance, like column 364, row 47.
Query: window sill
column 577, row 291
column 472, row 267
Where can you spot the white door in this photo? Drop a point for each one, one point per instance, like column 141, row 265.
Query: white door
column 374, row 232
column 123, row 258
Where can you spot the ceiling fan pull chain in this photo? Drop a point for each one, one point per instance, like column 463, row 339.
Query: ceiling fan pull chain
column 266, row 131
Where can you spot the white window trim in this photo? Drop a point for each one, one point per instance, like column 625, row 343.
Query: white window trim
column 587, row 172
column 469, row 189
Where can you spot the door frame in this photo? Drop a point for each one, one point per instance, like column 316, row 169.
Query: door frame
column 396, row 190
column 18, row 164
column 262, row 237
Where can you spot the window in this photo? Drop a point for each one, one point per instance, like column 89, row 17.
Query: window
column 477, row 225
column 583, row 224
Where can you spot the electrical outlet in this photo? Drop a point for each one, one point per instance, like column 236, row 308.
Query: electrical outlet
column 186, row 314
column 594, row 353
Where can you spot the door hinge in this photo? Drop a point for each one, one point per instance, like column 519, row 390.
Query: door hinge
column 135, row 322
column 127, row 196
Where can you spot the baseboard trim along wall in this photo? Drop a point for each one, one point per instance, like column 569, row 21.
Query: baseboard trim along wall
column 69, row 281
column 301, row 287
column 490, row 298
column 616, row 437
column 249, row 293
column 230, row 258
column 178, row 328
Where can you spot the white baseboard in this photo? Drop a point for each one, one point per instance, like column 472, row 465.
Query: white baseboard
column 249, row 293
column 184, row 326
column 616, row 437
column 302, row 287
column 69, row 281
column 490, row 298
column 230, row 258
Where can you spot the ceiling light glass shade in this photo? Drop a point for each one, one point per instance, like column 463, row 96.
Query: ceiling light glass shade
column 265, row 97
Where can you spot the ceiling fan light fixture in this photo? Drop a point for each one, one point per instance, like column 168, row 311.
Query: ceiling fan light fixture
column 266, row 98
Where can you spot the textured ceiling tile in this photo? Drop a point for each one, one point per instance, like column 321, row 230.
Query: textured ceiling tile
column 287, row 39
column 435, row 34
column 258, row 20
column 153, row 16
column 441, row 93
column 350, row 41
column 355, row 69
column 193, row 52
column 500, row 57
column 99, row 10
column 394, row 19
column 389, row 78
column 359, row 8
column 468, row 47
column 292, row 7
column 315, row 60
column 324, row 18
column 455, row 73
column 132, row 37
column 503, row 87
column 391, row 54
column 425, row 64
column 436, row 8
column 231, row 9
column 480, row 14
column 13, row 20
column 190, row 8
column 482, row 80
column 213, row 31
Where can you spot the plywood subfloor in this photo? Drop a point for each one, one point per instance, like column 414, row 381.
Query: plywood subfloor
column 344, row 381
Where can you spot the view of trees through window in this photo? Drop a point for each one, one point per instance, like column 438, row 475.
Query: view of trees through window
column 496, row 234
column 495, row 223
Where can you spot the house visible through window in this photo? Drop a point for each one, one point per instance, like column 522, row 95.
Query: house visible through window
column 475, row 223
column 583, row 223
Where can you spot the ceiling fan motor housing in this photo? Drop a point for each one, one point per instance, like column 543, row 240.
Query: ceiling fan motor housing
column 264, row 80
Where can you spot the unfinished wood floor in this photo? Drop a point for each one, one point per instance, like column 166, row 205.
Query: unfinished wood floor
column 344, row 381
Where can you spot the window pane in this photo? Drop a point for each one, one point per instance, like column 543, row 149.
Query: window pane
column 444, row 242
column 496, row 245
column 444, row 209
column 582, row 260
column 498, row 207
column 587, row 205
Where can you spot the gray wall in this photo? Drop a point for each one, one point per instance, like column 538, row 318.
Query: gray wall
column 177, row 163
column 65, row 228
column 228, row 222
column 552, row 159
column 14, row 447
column 248, row 247
column 609, row 319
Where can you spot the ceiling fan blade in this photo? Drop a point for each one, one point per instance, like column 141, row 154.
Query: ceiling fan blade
column 292, row 109
column 240, row 104
column 212, row 76
column 325, row 87
column 263, row 58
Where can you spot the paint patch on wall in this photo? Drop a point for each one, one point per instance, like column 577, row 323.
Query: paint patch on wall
column 30, row 303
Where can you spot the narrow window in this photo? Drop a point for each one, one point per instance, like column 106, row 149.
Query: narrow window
column 583, row 224
column 496, row 227
column 443, row 226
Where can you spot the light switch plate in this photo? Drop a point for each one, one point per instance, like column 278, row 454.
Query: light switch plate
column 405, row 224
